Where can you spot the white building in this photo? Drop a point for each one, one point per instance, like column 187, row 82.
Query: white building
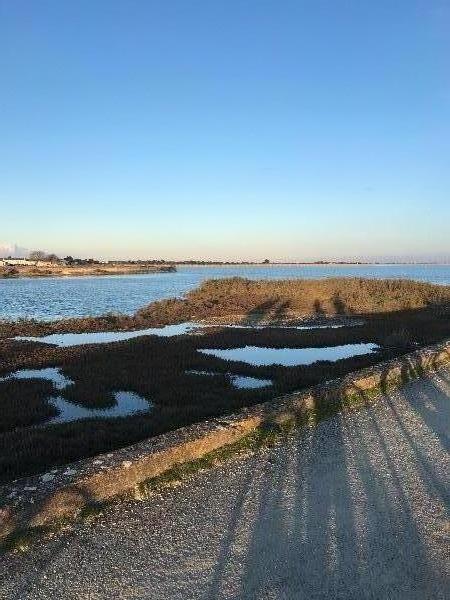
column 23, row 262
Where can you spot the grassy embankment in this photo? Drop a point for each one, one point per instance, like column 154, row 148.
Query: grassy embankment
column 397, row 315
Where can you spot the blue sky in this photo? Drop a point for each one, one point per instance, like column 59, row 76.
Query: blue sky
column 232, row 129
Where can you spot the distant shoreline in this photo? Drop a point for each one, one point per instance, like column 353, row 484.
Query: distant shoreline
column 107, row 269
column 102, row 270
column 312, row 264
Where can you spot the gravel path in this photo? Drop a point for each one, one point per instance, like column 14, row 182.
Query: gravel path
column 353, row 509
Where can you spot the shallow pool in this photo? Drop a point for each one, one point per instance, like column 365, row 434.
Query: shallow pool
column 239, row 381
column 50, row 374
column 127, row 403
column 105, row 337
column 289, row 357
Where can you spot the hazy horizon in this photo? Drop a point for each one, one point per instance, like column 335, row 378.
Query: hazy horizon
column 245, row 130
column 9, row 249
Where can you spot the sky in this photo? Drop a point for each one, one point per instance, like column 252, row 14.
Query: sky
column 237, row 129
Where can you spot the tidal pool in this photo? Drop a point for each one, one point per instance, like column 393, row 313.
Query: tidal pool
column 67, row 340
column 301, row 327
column 127, row 403
column 105, row 337
column 245, row 382
column 239, row 381
column 50, row 374
column 289, row 357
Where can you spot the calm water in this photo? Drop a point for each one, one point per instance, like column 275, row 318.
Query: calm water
column 52, row 374
column 239, row 381
column 54, row 298
column 290, row 357
column 66, row 340
column 126, row 403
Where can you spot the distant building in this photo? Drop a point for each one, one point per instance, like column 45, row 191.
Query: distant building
column 24, row 262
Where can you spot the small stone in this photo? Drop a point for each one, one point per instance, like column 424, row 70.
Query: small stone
column 29, row 489
column 70, row 471
column 127, row 464
column 47, row 477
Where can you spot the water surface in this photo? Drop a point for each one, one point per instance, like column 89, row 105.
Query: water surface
column 289, row 357
column 67, row 340
column 52, row 374
column 239, row 381
column 127, row 403
column 246, row 382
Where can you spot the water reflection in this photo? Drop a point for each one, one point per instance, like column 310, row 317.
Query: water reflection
column 50, row 374
column 239, row 381
column 105, row 337
column 288, row 357
column 127, row 403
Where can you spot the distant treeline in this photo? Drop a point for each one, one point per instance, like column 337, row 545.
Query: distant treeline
column 40, row 255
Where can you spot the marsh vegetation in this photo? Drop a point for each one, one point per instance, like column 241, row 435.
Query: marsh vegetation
column 168, row 372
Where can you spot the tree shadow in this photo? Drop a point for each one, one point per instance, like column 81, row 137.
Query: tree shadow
column 31, row 526
column 235, row 518
column 338, row 513
column 339, row 305
column 318, row 308
column 273, row 311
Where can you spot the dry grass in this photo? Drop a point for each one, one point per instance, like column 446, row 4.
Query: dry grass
column 252, row 301
column 276, row 301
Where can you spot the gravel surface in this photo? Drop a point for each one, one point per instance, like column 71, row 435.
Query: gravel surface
column 355, row 508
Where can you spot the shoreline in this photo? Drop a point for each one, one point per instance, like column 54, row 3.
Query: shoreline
column 246, row 301
column 308, row 264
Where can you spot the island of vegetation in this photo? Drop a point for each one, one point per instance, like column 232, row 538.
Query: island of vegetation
column 40, row 264
column 179, row 381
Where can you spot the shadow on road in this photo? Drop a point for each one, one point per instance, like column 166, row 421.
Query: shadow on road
column 349, row 510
